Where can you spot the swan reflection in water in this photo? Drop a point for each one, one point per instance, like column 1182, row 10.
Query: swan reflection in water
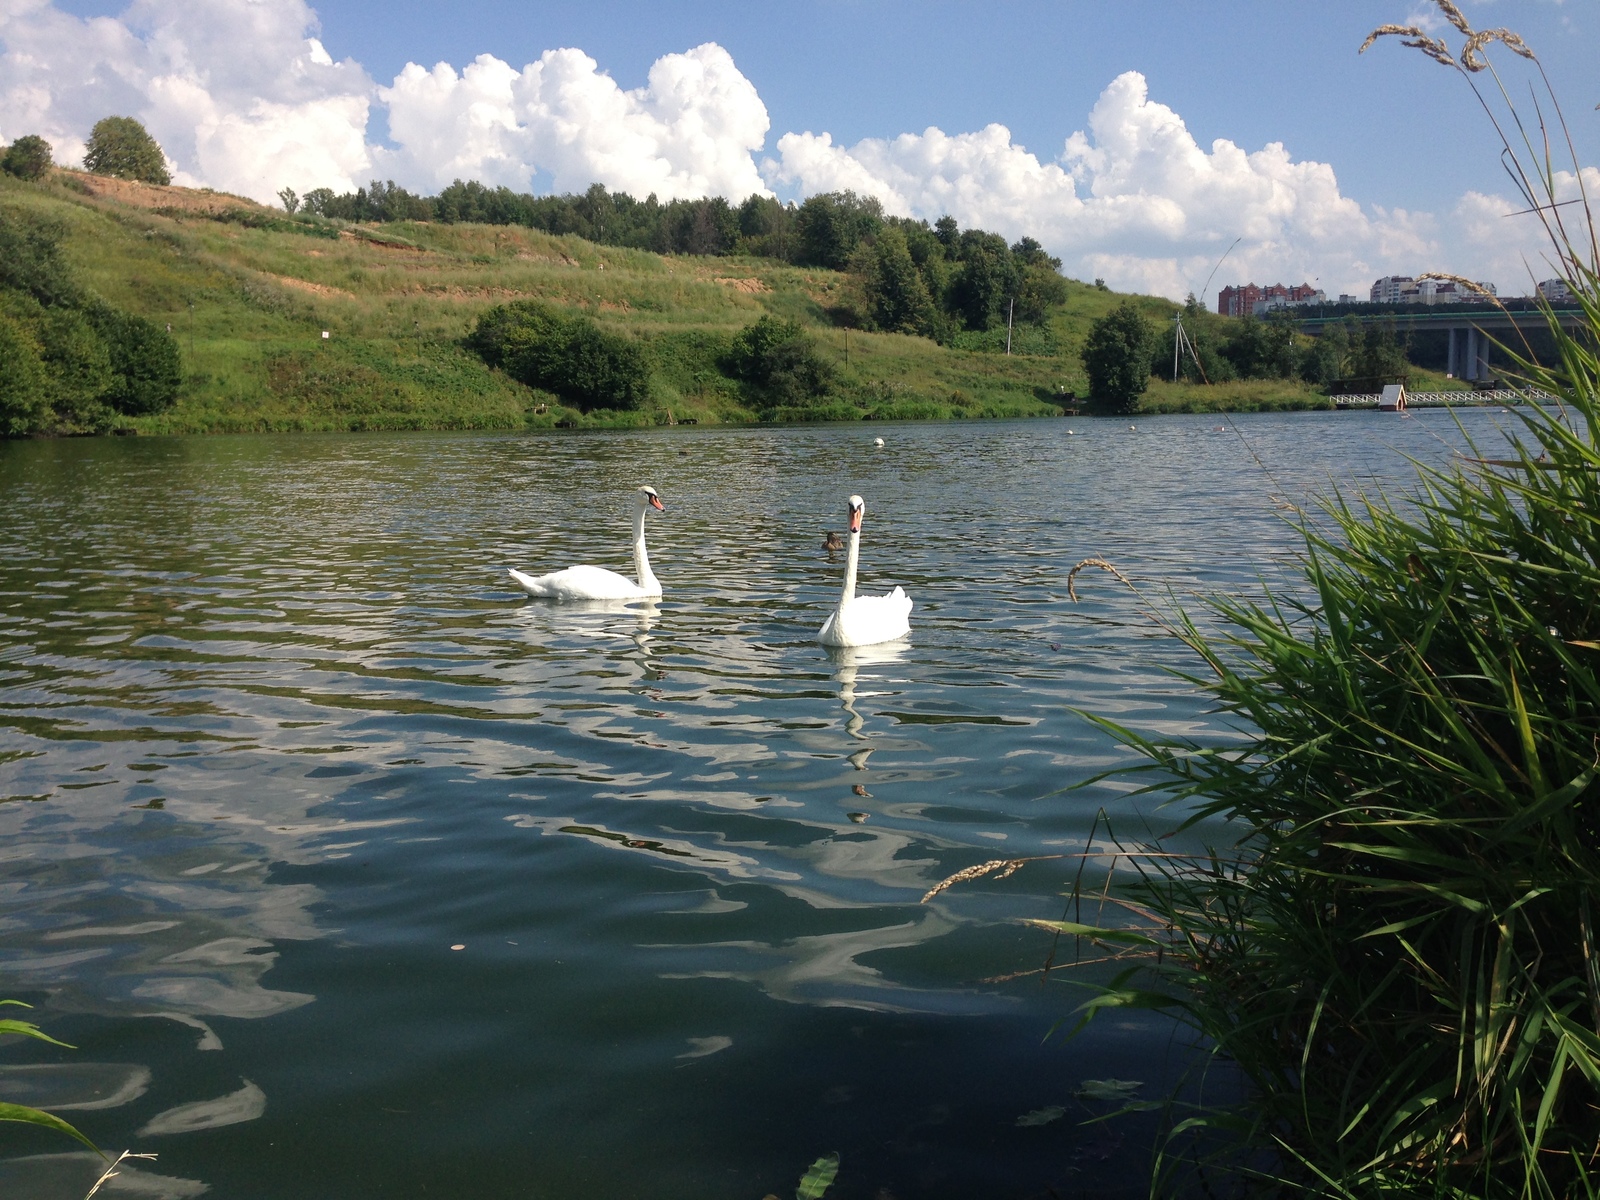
column 848, row 663
column 592, row 619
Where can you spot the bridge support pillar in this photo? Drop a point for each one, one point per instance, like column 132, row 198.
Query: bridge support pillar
column 1471, row 373
column 1453, row 359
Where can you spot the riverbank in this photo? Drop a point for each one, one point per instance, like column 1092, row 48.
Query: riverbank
column 289, row 325
column 286, row 325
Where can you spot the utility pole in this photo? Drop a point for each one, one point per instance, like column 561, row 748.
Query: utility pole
column 1011, row 311
column 1177, row 340
column 191, row 333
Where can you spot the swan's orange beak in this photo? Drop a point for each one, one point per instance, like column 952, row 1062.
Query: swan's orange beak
column 655, row 503
column 855, row 520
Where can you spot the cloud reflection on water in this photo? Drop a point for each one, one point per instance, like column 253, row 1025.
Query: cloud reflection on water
column 232, row 732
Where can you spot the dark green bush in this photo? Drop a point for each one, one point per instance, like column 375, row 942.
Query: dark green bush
column 79, row 365
column 31, row 262
column 27, row 158
column 563, row 353
column 145, row 368
column 71, row 361
column 24, row 395
column 781, row 364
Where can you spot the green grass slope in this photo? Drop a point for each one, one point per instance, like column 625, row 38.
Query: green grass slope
column 249, row 293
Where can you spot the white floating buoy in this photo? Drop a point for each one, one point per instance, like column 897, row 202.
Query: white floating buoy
column 1133, row 428
column 877, row 441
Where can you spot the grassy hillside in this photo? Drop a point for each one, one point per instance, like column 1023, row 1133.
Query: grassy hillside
column 248, row 293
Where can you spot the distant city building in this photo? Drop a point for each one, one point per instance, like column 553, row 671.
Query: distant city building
column 1555, row 291
column 1252, row 300
column 1347, row 298
column 1393, row 289
column 1403, row 289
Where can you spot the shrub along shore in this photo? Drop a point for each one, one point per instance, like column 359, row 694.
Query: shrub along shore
column 158, row 310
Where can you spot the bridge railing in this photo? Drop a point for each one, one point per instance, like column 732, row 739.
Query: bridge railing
column 1463, row 399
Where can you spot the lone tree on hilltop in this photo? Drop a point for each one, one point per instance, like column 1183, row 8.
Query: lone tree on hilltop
column 122, row 147
column 1117, row 357
column 27, row 158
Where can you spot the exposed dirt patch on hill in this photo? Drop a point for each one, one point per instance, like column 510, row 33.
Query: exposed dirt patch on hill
column 316, row 289
column 366, row 237
column 456, row 292
column 151, row 195
column 748, row 286
column 565, row 260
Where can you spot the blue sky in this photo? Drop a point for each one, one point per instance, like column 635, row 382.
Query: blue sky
column 1399, row 130
column 1388, row 132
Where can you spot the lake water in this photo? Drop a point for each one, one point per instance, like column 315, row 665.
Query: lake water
column 350, row 872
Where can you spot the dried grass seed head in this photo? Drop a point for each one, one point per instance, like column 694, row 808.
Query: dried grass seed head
column 1453, row 15
column 1416, row 38
column 1472, row 58
column 1008, row 866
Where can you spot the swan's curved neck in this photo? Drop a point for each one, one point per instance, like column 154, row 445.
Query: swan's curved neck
column 848, row 593
column 641, row 557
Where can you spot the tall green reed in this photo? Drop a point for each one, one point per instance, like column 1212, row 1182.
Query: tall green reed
column 1397, row 952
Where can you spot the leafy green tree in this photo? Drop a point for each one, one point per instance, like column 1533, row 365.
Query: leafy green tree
column 897, row 297
column 830, row 225
column 1205, row 332
column 121, row 146
column 766, row 227
column 507, row 331
column 781, row 361
column 28, row 157
column 1376, row 352
column 291, row 202
column 1117, row 357
column 708, row 226
column 1263, row 349
column 569, row 355
column 1029, row 253
column 318, row 200
column 1041, row 289
column 146, row 371
column 987, row 278
column 24, row 383
column 595, row 367
column 1325, row 360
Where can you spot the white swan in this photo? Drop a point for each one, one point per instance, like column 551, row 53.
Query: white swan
column 597, row 583
column 864, row 620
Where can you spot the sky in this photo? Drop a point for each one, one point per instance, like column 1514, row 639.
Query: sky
column 1137, row 139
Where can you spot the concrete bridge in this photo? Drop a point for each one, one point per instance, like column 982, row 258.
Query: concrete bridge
column 1469, row 327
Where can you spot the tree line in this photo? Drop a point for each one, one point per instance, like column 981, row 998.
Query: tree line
column 936, row 279
column 1125, row 348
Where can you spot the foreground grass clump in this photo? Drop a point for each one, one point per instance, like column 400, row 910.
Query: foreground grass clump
column 1398, row 949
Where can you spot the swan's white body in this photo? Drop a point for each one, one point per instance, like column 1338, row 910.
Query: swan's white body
column 864, row 620
column 597, row 583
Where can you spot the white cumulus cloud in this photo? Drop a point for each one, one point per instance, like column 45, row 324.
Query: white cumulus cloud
column 1134, row 198
column 239, row 93
column 691, row 131
column 243, row 97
